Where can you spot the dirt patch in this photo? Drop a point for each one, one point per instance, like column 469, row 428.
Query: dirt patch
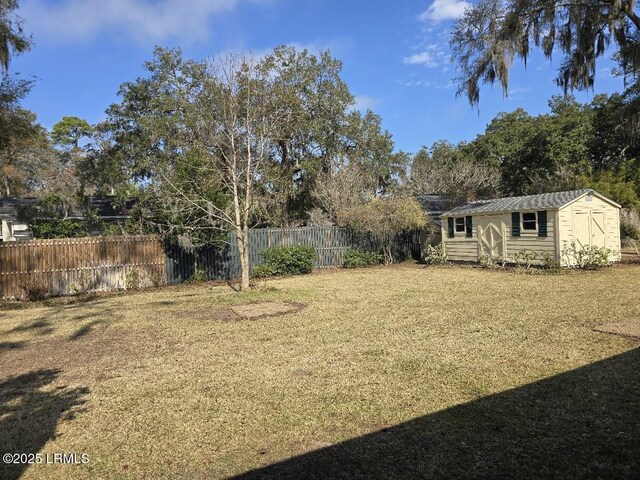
column 218, row 314
column 629, row 328
column 247, row 311
column 254, row 311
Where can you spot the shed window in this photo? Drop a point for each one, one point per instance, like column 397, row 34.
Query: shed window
column 460, row 224
column 529, row 221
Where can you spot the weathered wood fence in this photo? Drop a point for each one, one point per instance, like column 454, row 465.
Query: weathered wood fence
column 70, row 265
column 331, row 243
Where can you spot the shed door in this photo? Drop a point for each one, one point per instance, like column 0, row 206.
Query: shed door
column 589, row 228
column 598, row 235
column 581, row 228
column 491, row 237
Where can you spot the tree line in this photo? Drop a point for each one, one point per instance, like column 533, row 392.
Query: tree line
column 573, row 146
column 305, row 154
column 233, row 142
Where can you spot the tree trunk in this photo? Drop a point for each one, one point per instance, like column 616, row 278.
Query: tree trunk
column 284, row 219
column 7, row 189
column 388, row 255
column 243, row 249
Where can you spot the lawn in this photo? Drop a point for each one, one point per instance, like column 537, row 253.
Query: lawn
column 392, row 372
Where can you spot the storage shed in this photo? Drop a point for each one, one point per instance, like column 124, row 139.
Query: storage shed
column 544, row 223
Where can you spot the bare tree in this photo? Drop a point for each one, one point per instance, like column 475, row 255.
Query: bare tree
column 343, row 186
column 227, row 120
column 449, row 173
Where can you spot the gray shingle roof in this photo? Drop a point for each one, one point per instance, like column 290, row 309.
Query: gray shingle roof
column 512, row 204
column 433, row 204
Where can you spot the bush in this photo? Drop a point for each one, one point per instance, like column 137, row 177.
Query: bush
column 356, row 258
column 551, row 262
column 524, row 258
column 35, row 290
column 263, row 271
column 587, row 256
column 63, row 228
column 629, row 230
column 199, row 276
column 436, row 255
column 490, row 261
column 132, row 280
column 286, row 261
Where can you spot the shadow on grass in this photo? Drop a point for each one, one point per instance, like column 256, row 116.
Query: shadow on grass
column 40, row 326
column 29, row 416
column 44, row 326
column 85, row 329
column 5, row 346
column 93, row 319
column 583, row 423
column 66, row 301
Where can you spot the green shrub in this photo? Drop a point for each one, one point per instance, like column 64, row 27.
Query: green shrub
column 199, row 276
column 63, row 228
column 551, row 262
column 490, row 261
column 524, row 258
column 587, row 256
column 287, row 261
column 629, row 230
column 436, row 255
column 356, row 258
column 262, row 271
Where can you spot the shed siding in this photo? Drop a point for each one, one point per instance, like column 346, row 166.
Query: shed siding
column 530, row 240
column 612, row 222
column 461, row 247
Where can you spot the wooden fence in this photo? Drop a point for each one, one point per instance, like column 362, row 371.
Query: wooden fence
column 69, row 265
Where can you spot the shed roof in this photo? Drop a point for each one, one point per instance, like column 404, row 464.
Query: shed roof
column 434, row 204
column 528, row 202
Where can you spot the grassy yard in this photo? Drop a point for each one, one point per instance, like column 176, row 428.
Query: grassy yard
column 404, row 371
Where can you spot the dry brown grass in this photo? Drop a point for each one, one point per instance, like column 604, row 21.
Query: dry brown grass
column 401, row 371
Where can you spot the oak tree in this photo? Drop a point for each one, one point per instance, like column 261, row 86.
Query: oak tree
column 492, row 33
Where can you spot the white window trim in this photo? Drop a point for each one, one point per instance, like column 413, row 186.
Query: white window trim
column 528, row 230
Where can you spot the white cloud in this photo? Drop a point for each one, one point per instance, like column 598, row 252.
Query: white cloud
column 438, row 85
column 431, row 55
column 363, row 103
column 146, row 21
column 422, row 58
column 444, row 10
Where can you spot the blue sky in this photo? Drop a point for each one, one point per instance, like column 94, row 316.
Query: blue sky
column 395, row 55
